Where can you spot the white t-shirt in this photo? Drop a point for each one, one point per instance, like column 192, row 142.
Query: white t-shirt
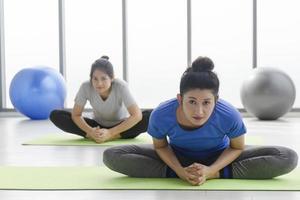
column 111, row 111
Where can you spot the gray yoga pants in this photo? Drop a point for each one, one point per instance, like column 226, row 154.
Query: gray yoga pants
column 255, row 162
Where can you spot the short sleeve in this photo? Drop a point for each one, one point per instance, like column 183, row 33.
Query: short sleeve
column 81, row 96
column 127, row 97
column 237, row 127
column 155, row 129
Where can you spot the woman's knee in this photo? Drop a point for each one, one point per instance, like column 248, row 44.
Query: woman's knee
column 146, row 116
column 116, row 157
column 290, row 158
column 54, row 115
column 111, row 156
column 59, row 116
column 108, row 156
column 265, row 162
column 285, row 160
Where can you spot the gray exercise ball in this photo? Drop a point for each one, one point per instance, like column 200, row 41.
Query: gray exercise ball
column 268, row 93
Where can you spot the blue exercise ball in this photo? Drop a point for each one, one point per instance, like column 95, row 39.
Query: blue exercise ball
column 268, row 93
column 36, row 91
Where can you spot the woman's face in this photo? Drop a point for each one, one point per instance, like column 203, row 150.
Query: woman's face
column 101, row 82
column 196, row 107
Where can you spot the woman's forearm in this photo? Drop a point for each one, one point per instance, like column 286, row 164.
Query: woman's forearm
column 234, row 150
column 228, row 155
column 168, row 156
column 125, row 125
column 80, row 122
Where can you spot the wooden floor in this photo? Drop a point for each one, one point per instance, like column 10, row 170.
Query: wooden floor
column 15, row 130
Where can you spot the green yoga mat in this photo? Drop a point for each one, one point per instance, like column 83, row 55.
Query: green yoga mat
column 73, row 140
column 100, row 178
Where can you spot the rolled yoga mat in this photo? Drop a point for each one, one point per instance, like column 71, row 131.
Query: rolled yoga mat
column 73, row 140
column 101, row 178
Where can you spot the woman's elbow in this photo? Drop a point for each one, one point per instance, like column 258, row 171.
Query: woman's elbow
column 138, row 116
column 75, row 116
column 240, row 147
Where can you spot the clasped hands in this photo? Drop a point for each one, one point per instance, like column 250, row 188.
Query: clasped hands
column 100, row 135
column 197, row 174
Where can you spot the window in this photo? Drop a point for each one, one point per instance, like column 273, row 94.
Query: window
column 278, row 37
column 93, row 29
column 156, row 49
column 222, row 30
column 31, row 36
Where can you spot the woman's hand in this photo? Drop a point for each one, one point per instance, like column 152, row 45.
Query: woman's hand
column 192, row 176
column 100, row 135
column 94, row 133
column 197, row 174
column 105, row 135
column 199, row 169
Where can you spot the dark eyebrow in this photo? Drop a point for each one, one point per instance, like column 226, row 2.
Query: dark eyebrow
column 196, row 98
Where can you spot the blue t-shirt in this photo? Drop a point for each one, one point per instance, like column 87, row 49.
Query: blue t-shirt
column 224, row 123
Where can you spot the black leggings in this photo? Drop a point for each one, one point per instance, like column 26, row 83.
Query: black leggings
column 63, row 120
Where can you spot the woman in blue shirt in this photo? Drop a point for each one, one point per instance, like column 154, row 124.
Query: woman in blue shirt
column 197, row 137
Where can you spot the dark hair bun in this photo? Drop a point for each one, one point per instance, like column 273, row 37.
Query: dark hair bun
column 202, row 64
column 105, row 57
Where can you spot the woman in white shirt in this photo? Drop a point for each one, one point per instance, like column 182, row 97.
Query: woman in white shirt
column 116, row 114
